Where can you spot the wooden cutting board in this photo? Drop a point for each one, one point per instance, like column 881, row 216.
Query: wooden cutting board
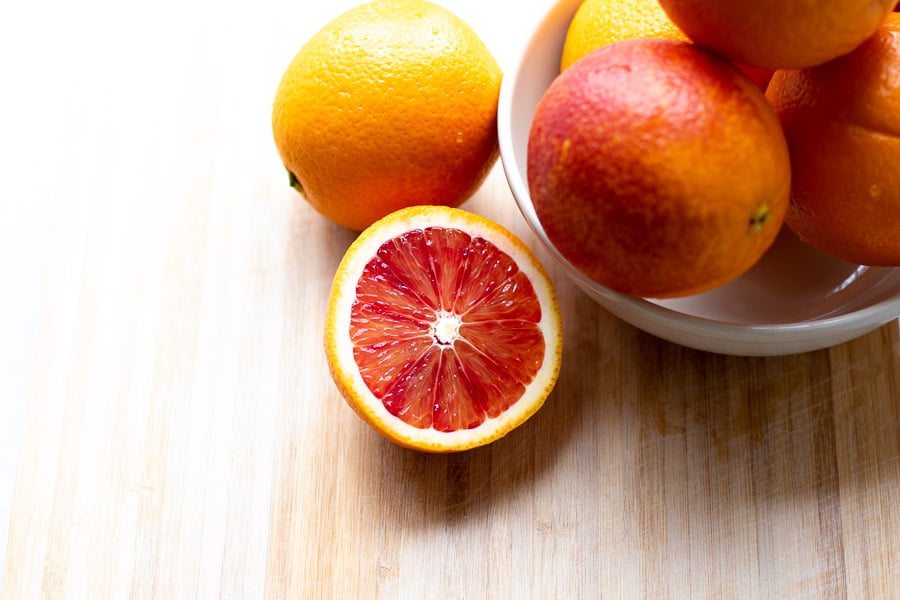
column 183, row 438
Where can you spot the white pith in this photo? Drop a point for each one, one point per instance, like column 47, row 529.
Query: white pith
column 445, row 328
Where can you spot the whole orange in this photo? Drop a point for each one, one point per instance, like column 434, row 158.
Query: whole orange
column 392, row 104
column 600, row 22
column 778, row 33
column 842, row 123
column 657, row 168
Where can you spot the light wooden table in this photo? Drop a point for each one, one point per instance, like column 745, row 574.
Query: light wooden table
column 180, row 436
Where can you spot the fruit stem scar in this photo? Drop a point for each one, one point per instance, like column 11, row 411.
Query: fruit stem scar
column 294, row 182
column 759, row 218
column 445, row 328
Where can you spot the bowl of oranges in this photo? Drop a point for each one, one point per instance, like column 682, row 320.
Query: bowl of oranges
column 728, row 195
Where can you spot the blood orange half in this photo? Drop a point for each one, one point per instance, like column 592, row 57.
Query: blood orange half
column 443, row 329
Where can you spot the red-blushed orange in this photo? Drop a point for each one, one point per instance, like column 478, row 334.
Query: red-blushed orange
column 658, row 169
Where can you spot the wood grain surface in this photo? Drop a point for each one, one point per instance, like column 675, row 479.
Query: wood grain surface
column 183, row 439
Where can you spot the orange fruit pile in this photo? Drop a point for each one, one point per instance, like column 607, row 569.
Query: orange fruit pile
column 657, row 169
column 393, row 103
column 655, row 163
column 443, row 329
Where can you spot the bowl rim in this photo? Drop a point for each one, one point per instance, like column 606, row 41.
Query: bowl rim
column 870, row 316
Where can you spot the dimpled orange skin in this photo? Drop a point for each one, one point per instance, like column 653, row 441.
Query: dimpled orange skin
column 842, row 123
column 392, row 104
column 778, row 33
column 600, row 22
column 658, row 169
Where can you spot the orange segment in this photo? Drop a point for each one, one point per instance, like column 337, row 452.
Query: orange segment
column 444, row 331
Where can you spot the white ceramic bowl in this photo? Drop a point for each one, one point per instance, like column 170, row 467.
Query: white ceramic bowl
column 794, row 300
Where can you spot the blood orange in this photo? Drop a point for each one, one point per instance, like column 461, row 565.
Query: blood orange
column 657, row 168
column 443, row 329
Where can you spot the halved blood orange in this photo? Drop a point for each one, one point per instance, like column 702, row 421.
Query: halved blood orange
column 443, row 331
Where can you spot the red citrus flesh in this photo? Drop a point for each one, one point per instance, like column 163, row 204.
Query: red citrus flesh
column 445, row 329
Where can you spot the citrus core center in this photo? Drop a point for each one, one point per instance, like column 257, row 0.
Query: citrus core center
column 445, row 328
